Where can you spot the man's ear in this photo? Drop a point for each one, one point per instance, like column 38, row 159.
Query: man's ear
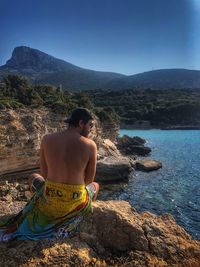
column 81, row 124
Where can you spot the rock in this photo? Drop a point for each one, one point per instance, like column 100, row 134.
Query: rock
column 125, row 230
column 4, row 190
column 132, row 145
column 7, row 198
column 138, row 150
column 21, row 131
column 14, row 192
column 28, row 195
column 112, row 169
column 148, row 165
column 127, row 140
column 107, row 148
column 11, row 207
column 113, row 235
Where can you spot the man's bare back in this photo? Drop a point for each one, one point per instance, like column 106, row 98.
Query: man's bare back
column 68, row 157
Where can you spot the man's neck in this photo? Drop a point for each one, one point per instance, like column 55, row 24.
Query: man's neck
column 74, row 130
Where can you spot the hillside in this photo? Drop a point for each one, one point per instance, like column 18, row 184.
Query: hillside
column 135, row 108
column 41, row 68
column 151, row 108
column 166, row 78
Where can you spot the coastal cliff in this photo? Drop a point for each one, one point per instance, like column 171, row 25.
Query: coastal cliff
column 21, row 131
column 20, row 134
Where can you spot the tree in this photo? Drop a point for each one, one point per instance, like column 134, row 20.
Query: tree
column 17, row 87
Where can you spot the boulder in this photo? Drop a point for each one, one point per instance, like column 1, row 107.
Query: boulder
column 132, row 146
column 112, row 169
column 113, row 235
column 148, row 165
column 107, row 148
column 127, row 140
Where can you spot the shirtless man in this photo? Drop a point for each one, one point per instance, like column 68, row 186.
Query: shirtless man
column 69, row 157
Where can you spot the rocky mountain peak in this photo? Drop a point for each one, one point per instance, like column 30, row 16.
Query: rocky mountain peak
column 27, row 58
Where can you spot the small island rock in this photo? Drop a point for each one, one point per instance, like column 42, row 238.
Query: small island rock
column 132, row 146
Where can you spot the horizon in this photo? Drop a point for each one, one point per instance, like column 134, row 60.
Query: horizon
column 128, row 38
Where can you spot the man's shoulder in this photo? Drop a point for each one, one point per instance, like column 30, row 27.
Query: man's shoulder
column 49, row 136
column 88, row 141
column 92, row 143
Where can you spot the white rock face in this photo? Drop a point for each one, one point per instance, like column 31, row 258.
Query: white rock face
column 21, row 132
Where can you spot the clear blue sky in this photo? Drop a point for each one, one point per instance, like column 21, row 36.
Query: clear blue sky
column 125, row 36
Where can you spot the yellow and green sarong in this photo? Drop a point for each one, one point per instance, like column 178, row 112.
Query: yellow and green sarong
column 54, row 211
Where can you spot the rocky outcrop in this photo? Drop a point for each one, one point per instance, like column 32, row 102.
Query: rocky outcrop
column 132, row 146
column 109, row 130
column 147, row 165
column 21, row 132
column 113, row 235
column 111, row 169
column 107, row 148
column 34, row 61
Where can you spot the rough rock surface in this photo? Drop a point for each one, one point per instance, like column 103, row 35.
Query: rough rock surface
column 148, row 165
column 14, row 191
column 20, row 134
column 107, row 148
column 113, row 235
column 111, row 169
column 132, row 146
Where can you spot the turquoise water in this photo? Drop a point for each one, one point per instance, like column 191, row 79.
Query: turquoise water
column 173, row 189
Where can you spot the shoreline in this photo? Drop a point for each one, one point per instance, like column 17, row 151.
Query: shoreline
column 170, row 128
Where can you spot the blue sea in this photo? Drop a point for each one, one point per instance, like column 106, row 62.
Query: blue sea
column 173, row 189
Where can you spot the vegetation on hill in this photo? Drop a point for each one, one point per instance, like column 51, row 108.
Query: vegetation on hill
column 164, row 107
column 17, row 92
column 158, row 107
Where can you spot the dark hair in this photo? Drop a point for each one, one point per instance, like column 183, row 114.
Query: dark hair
column 79, row 114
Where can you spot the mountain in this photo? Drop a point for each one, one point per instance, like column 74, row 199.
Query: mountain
column 165, row 78
column 42, row 68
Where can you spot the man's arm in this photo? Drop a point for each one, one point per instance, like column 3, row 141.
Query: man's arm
column 91, row 166
column 43, row 164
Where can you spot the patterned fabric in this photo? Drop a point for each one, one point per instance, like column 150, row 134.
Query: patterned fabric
column 54, row 211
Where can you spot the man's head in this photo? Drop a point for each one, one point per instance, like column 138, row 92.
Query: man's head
column 82, row 119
